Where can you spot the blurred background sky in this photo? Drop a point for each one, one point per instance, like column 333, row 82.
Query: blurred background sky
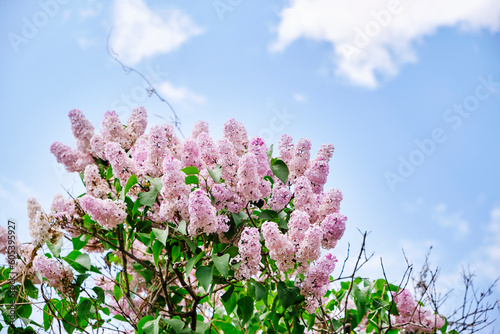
column 408, row 92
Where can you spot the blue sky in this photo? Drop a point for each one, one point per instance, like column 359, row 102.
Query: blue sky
column 282, row 67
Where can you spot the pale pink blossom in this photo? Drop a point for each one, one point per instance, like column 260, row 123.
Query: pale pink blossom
column 106, row 212
column 237, row 135
column 249, row 250
column 82, row 129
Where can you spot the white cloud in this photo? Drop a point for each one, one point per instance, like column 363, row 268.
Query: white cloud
column 138, row 32
column 299, row 97
column 451, row 220
column 179, row 94
column 374, row 38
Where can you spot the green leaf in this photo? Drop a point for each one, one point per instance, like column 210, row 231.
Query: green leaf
column 270, row 152
column 70, row 323
column 182, row 227
column 192, row 245
column 84, row 260
column 361, row 301
column 216, row 173
column 132, row 180
column 55, row 249
column 192, row 262
column 192, row 179
column 100, row 294
column 237, row 219
column 47, row 317
column 109, row 173
column 260, row 291
column 80, row 242
column 190, row 170
column 143, row 321
column 155, row 181
column 177, row 324
column 117, row 291
column 176, row 252
column 268, row 214
column 201, row 326
column 229, row 300
column 205, row 275
column 161, row 235
column 148, row 198
column 84, row 308
column 79, row 261
column 280, row 170
column 222, row 264
column 152, row 326
column 157, row 248
column 245, row 308
column 286, row 295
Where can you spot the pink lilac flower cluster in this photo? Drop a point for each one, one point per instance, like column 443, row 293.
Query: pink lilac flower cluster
column 106, row 212
column 58, row 276
column 8, row 246
column 39, row 223
column 318, row 277
column 249, row 249
column 203, row 215
column 246, row 178
column 412, row 317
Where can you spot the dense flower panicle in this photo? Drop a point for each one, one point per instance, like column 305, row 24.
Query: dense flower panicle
column 249, row 183
column 97, row 143
column 228, row 159
column 191, row 154
column 222, row 224
column 318, row 277
column 106, row 212
column 123, row 166
column 286, row 148
column 310, row 247
column 139, row 154
column 333, row 229
column 63, row 207
column 39, row 224
column 112, row 130
column 199, row 128
column 33, row 207
column 95, row 185
column 281, row 249
column 157, row 150
column 325, row 152
column 281, row 195
column 300, row 159
column 206, row 145
column 259, row 149
column 237, row 135
column 137, row 123
column 4, row 240
column 249, row 248
column 73, row 160
column 412, row 317
column 305, row 199
column 317, row 173
column 330, row 202
column 201, row 213
column 297, row 227
column 82, row 129
column 174, row 191
column 8, row 246
column 222, row 194
column 174, row 144
column 59, row 276
column 174, row 186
